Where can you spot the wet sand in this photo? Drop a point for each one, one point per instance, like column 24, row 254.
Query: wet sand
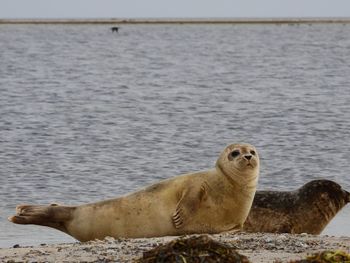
column 258, row 247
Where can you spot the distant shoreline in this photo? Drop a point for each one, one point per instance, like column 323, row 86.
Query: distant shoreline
column 181, row 21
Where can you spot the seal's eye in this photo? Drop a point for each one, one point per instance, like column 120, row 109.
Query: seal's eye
column 252, row 152
column 235, row 153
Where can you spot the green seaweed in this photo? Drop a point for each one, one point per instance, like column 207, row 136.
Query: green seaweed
column 326, row 257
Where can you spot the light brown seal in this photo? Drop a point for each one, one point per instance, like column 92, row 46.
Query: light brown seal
column 210, row 201
column 306, row 210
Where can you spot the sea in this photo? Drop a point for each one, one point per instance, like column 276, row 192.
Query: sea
column 88, row 114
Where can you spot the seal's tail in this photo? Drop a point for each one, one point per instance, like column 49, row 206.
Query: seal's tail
column 52, row 215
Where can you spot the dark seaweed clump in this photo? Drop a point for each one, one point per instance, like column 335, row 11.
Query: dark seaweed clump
column 192, row 250
column 326, row 257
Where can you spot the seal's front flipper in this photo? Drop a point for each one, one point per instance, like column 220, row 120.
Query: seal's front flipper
column 189, row 202
column 53, row 215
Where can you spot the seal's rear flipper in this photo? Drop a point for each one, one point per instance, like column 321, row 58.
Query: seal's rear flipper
column 53, row 215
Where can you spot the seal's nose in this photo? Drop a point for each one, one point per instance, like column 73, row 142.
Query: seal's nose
column 347, row 196
column 248, row 156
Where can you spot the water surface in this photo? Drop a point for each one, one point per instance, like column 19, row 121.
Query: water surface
column 86, row 114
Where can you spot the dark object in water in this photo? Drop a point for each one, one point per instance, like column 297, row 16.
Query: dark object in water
column 192, row 250
column 306, row 210
column 115, row 29
column 326, row 257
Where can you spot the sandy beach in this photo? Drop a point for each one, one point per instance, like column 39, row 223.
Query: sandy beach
column 258, row 247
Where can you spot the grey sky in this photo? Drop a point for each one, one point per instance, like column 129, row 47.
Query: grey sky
column 172, row 8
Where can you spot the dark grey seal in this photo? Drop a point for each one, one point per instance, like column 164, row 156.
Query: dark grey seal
column 306, row 210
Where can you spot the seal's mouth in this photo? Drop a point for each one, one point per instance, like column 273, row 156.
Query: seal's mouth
column 249, row 164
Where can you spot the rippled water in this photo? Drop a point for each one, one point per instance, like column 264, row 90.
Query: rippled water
column 87, row 114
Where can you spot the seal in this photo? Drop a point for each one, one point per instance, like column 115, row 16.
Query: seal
column 115, row 29
column 211, row 201
column 306, row 210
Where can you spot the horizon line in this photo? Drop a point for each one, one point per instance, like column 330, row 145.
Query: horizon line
column 240, row 20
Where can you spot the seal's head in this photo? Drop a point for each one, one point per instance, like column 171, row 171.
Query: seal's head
column 240, row 161
column 319, row 201
column 325, row 191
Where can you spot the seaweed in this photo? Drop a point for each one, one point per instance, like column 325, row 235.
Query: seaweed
column 192, row 250
column 326, row 257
